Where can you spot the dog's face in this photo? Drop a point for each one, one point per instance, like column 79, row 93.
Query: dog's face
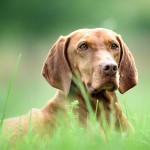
column 95, row 56
column 99, row 56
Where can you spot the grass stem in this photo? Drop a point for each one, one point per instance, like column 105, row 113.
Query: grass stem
column 9, row 89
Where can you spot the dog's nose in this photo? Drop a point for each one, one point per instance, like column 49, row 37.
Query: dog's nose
column 110, row 69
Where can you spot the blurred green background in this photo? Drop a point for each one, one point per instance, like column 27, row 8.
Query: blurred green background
column 32, row 27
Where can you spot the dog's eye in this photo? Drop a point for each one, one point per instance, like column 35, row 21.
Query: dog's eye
column 83, row 46
column 114, row 46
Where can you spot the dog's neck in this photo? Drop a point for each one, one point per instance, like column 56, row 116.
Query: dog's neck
column 102, row 97
column 61, row 102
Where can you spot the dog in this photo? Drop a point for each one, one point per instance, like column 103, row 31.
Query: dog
column 102, row 62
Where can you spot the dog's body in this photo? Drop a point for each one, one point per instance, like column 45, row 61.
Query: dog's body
column 103, row 63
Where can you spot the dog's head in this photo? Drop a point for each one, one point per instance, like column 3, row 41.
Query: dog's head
column 98, row 56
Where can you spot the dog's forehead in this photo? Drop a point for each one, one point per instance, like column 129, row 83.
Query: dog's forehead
column 97, row 32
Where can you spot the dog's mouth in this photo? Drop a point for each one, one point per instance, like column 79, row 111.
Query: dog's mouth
column 109, row 84
column 97, row 93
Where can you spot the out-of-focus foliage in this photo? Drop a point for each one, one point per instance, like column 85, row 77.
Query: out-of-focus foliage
column 39, row 18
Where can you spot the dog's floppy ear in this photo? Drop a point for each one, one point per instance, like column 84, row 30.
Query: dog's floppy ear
column 127, row 69
column 56, row 68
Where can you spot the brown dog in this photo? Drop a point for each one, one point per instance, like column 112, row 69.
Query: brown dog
column 104, row 64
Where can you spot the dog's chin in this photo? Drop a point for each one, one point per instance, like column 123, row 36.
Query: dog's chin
column 109, row 86
column 97, row 93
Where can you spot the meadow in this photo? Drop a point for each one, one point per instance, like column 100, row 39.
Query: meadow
column 28, row 30
column 26, row 88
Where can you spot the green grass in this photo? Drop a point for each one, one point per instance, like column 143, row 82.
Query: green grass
column 9, row 90
column 75, row 137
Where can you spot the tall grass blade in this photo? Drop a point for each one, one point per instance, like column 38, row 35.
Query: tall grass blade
column 85, row 96
column 9, row 89
column 125, row 106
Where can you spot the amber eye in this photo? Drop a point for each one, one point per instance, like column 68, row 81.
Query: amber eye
column 114, row 46
column 83, row 46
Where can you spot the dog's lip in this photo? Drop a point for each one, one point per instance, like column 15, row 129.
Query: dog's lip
column 110, row 86
column 97, row 93
column 91, row 89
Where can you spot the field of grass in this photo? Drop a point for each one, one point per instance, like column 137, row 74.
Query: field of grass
column 30, row 28
column 18, row 98
column 24, row 88
column 74, row 137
